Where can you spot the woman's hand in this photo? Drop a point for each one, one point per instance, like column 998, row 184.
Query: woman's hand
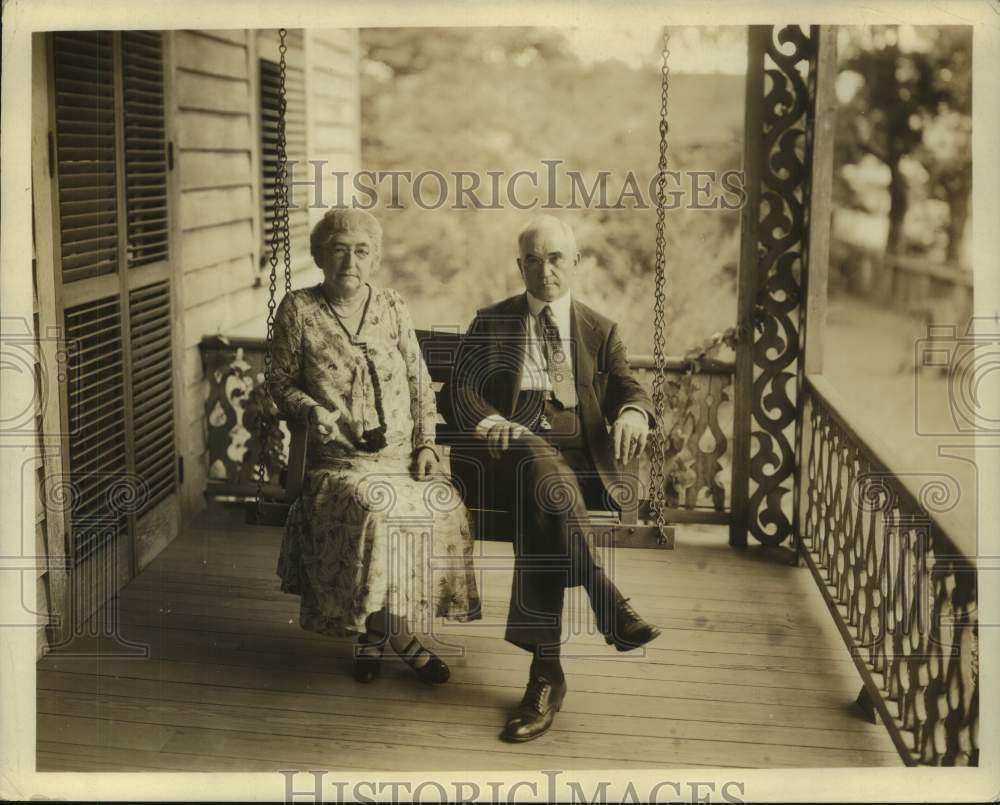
column 324, row 424
column 425, row 464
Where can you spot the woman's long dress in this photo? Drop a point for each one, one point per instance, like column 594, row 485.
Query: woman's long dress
column 365, row 534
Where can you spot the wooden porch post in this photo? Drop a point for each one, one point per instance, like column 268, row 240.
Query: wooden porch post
column 753, row 144
column 817, row 252
column 780, row 172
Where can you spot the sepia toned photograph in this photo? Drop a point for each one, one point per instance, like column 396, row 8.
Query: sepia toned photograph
column 451, row 411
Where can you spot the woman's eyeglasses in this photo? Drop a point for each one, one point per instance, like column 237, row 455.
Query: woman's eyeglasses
column 340, row 251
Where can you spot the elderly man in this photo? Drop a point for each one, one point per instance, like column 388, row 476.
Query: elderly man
column 540, row 378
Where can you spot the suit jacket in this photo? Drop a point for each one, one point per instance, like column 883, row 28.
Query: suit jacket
column 487, row 374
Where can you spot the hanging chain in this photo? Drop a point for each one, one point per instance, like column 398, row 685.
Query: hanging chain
column 279, row 239
column 657, row 478
column 282, row 180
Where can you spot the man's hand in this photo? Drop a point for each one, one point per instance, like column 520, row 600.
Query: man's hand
column 324, row 424
column 629, row 433
column 425, row 464
column 500, row 436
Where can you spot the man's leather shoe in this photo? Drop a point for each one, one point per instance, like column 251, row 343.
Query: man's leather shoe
column 628, row 631
column 536, row 712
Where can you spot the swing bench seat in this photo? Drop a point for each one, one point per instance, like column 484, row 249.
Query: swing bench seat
column 622, row 528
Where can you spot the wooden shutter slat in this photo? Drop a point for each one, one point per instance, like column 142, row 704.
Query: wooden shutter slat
column 149, row 306
column 81, row 416
column 150, row 363
column 88, row 179
column 151, row 437
column 100, row 203
column 146, row 97
column 152, row 339
column 156, row 387
column 95, row 373
column 92, row 258
column 107, row 453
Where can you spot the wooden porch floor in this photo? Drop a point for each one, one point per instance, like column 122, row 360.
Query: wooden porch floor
column 749, row 672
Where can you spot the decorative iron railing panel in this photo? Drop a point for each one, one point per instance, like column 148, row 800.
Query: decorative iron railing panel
column 902, row 593
column 698, row 461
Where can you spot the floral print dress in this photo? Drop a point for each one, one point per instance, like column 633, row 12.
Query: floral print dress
column 365, row 534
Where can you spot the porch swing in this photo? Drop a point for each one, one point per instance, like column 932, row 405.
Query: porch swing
column 627, row 529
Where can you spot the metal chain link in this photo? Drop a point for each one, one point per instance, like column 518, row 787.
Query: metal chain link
column 283, row 164
column 279, row 238
column 657, row 478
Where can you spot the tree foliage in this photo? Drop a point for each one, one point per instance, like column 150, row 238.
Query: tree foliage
column 504, row 99
column 912, row 102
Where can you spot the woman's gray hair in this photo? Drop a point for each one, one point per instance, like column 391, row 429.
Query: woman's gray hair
column 345, row 219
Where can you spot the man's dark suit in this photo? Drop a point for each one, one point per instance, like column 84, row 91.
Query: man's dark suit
column 486, row 381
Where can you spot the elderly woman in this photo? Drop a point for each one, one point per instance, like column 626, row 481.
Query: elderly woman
column 370, row 547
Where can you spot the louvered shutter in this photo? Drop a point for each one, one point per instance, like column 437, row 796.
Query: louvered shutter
column 112, row 176
column 145, row 147
column 85, row 153
column 152, row 391
column 97, row 441
column 295, row 140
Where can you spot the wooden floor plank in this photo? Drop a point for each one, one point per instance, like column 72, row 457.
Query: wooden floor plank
column 749, row 672
column 479, row 652
column 449, row 738
column 473, row 692
column 348, row 704
column 673, row 600
column 186, row 646
column 773, row 631
column 772, row 642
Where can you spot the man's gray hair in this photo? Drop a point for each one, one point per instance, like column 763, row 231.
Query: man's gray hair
column 540, row 222
column 345, row 219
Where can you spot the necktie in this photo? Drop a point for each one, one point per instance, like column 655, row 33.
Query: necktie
column 560, row 372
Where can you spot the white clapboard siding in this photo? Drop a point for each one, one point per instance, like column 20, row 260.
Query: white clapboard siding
column 333, row 106
column 220, row 171
column 214, row 153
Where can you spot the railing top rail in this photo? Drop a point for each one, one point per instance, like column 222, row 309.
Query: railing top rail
column 879, row 455
column 673, row 363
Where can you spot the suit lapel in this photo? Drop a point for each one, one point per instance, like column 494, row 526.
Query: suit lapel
column 586, row 342
column 515, row 325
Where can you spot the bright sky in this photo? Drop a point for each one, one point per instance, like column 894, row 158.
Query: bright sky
column 691, row 50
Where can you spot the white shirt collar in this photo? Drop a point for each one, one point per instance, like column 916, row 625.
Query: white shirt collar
column 560, row 308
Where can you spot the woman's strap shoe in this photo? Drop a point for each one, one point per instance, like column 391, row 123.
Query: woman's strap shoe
column 428, row 667
column 368, row 658
column 542, row 699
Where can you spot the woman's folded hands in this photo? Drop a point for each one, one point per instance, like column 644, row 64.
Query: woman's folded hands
column 425, row 464
column 327, row 427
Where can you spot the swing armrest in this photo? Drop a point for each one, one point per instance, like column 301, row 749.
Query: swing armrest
column 299, row 429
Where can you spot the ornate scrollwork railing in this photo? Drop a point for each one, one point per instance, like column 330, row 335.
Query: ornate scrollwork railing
column 902, row 593
column 698, row 456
